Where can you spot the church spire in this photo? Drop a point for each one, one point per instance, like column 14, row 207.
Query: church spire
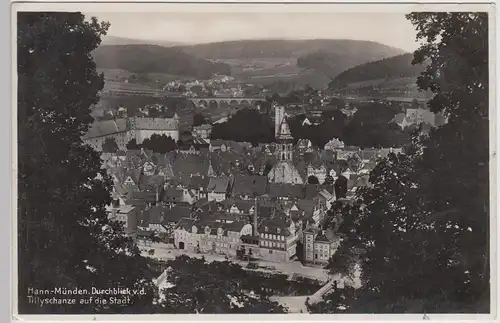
column 284, row 131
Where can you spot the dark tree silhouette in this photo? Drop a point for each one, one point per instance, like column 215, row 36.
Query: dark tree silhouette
column 247, row 125
column 312, row 180
column 132, row 145
column 110, row 146
column 328, row 180
column 64, row 236
column 341, row 187
column 434, row 199
column 199, row 119
column 159, row 144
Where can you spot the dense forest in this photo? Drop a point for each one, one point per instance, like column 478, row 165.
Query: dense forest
column 393, row 67
column 156, row 59
column 363, row 51
column 247, row 125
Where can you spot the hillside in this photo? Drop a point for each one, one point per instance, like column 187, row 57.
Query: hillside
column 114, row 40
column 156, row 59
column 394, row 76
column 271, row 61
column 394, row 67
column 245, row 49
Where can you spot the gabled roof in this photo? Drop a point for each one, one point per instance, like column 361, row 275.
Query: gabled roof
column 250, row 185
column 151, row 182
column 322, row 238
column 186, row 224
column 274, row 224
column 218, row 185
column 189, row 165
column 156, row 124
column 134, row 174
column 172, row 194
column 243, row 205
column 277, row 190
column 197, row 182
column 168, row 214
column 106, row 128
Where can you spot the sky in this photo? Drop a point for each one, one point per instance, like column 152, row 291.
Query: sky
column 203, row 27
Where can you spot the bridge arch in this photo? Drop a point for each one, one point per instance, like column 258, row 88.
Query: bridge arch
column 244, row 104
column 203, row 104
column 213, row 104
column 224, row 104
column 233, row 103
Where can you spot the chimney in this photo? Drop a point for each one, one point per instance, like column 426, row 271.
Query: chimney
column 254, row 216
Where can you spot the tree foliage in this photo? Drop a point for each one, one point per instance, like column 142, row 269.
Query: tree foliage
column 433, row 200
column 160, row 144
column 132, row 145
column 199, row 119
column 392, row 67
column 64, row 236
column 110, row 146
column 332, row 125
column 312, row 180
column 247, row 125
column 371, row 127
column 201, row 287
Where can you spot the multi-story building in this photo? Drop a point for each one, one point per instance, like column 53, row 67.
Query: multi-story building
column 124, row 129
column 318, row 248
column 203, row 132
column 218, row 188
column 125, row 214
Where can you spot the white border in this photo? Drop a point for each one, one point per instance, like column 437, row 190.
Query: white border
column 367, row 6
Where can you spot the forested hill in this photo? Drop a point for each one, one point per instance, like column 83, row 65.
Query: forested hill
column 244, row 49
column 141, row 58
column 389, row 68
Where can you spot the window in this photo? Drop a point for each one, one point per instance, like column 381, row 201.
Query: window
column 266, row 229
column 316, row 256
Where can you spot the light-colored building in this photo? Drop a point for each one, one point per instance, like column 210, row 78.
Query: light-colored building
column 203, row 132
column 334, row 144
column 125, row 214
column 318, row 171
column 218, row 189
column 318, row 248
column 208, row 236
column 124, row 129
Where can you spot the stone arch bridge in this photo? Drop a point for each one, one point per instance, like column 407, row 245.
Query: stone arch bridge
column 217, row 102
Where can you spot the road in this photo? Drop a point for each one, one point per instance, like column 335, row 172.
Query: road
column 166, row 252
column 295, row 304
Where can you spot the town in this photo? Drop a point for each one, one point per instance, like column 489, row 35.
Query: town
column 264, row 204
column 188, row 173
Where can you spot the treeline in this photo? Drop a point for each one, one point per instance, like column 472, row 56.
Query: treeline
column 247, row 125
column 370, row 127
column 156, row 59
column 393, row 67
column 332, row 125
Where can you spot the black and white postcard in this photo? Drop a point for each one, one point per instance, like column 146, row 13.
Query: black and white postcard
column 264, row 159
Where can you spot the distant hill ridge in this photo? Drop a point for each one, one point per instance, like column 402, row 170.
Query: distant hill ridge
column 142, row 58
column 289, row 48
column 388, row 68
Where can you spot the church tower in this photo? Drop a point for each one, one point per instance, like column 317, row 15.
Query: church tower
column 284, row 142
column 279, row 116
column 284, row 170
